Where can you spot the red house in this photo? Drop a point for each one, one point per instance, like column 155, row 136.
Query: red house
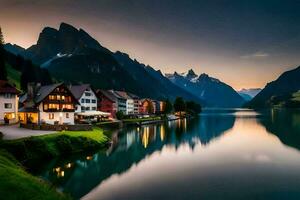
column 107, row 102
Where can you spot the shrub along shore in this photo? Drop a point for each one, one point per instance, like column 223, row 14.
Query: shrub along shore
column 16, row 183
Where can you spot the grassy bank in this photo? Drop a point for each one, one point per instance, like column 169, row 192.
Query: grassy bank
column 16, row 183
column 53, row 145
column 137, row 120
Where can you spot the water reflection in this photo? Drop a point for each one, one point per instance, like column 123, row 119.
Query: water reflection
column 285, row 124
column 210, row 157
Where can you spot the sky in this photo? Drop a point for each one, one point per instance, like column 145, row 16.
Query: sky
column 244, row 43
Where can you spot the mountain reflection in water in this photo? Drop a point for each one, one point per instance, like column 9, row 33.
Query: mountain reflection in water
column 222, row 154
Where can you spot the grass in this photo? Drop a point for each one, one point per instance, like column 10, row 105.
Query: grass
column 16, row 183
column 49, row 146
column 96, row 134
column 14, row 76
column 142, row 119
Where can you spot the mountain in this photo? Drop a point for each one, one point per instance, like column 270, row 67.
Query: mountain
column 15, row 49
column 278, row 92
column 211, row 90
column 152, row 80
column 73, row 56
column 249, row 94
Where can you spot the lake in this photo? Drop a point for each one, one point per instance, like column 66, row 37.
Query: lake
column 222, row 154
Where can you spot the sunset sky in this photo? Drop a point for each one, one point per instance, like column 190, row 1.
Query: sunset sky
column 243, row 43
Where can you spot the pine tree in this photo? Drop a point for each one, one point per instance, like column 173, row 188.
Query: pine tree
column 3, row 73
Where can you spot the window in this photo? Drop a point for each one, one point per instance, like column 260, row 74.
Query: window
column 67, row 115
column 7, row 105
column 82, row 100
column 93, row 100
column 82, row 108
column 8, row 96
column 51, row 115
column 88, row 94
column 54, row 106
column 58, row 97
column 51, row 97
column 87, row 101
column 94, row 108
column 87, row 108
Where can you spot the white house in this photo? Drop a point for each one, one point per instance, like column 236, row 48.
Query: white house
column 8, row 103
column 86, row 97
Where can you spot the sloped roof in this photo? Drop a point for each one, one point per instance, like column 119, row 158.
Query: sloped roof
column 116, row 94
column 44, row 91
column 124, row 95
column 5, row 88
column 133, row 96
column 78, row 90
column 108, row 94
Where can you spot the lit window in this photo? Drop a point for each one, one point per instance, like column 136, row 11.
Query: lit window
column 7, row 105
column 51, row 115
column 63, row 98
column 58, row 97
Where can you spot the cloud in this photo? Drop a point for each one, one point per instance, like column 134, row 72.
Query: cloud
column 256, row 55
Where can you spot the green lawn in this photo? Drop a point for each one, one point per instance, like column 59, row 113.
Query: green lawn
column 53, row 145
column 142, row 119
column 16, row 183
column 96, row 134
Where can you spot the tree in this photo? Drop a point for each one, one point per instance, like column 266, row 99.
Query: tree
column 168, row 107
column 3, row 73
column 120, row 115
column 179, row 105
column 28, row 74
column 193, row 108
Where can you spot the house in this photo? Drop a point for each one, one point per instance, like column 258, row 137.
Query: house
column 107, row 102
column 8, row 103
column 136, row 104
column 129, row 102
column 147, row 106
column 121, row 102
column 51, row 104
column 86, row 97
column 159, row 106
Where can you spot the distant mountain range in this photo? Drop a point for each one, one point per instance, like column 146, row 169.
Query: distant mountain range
column 249, row 94
column 72, row 55
column 211, row 90
column 281, row 92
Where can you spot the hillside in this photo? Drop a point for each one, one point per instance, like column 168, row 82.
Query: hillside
column 279, row 91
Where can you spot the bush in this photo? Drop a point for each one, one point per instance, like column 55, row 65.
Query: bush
column 120, row 115
column 36, row 148
column 64, row 144
column 1, row 136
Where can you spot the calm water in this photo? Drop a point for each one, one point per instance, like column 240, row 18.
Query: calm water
column 225, row 154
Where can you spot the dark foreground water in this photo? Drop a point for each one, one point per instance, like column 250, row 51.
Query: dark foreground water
column 225, row 154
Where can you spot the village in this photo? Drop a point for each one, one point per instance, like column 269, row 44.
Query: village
column 73, row 107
